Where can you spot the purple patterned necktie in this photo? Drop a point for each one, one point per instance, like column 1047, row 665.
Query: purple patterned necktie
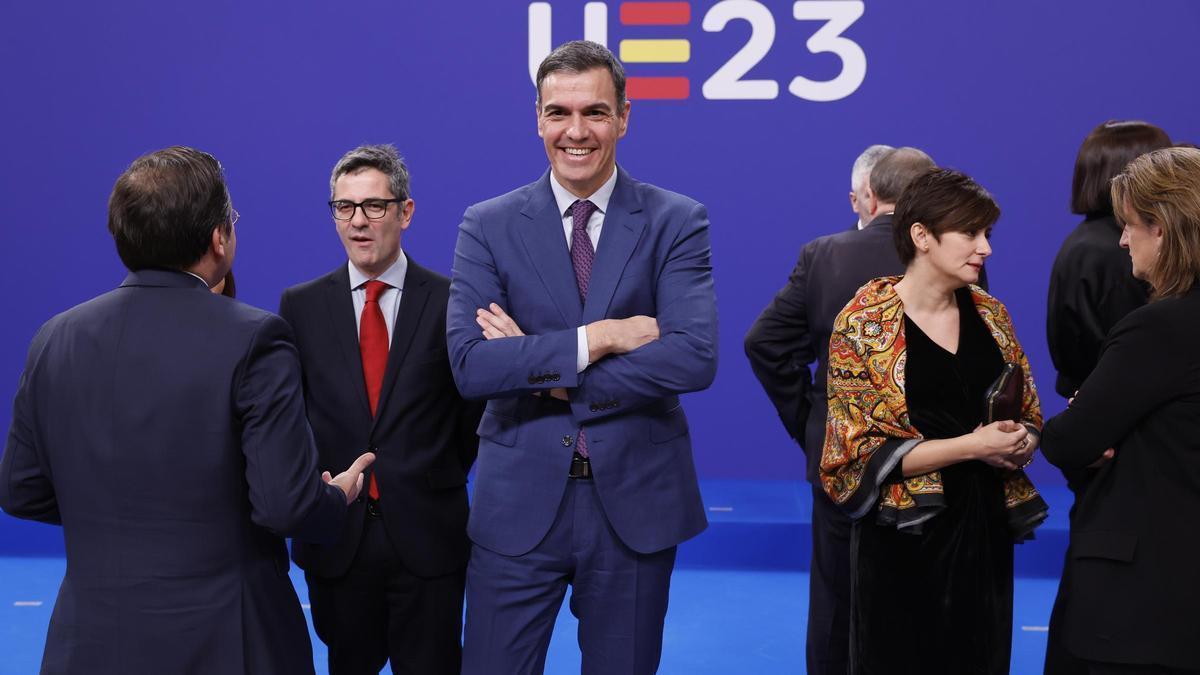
column 582, row 255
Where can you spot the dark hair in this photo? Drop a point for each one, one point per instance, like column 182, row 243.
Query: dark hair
column 943, row 200
column 383, row 158
column 895, row 170
column 164, row 207
column 581, row 56
column 1163, row 188
column 1104, row 154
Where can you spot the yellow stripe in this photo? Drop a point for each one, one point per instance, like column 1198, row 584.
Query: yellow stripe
column 656, row 51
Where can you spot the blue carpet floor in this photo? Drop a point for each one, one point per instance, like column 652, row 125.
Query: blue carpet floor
column 721, row 622
column 739, row 595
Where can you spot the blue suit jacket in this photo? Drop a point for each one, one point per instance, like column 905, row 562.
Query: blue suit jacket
column 163, row 427
column 653, row 258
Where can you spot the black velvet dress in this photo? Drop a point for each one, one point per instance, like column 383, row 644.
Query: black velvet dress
column 940, row 601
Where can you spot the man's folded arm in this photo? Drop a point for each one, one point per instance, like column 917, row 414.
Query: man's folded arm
column 683, row 358
column 485, row 369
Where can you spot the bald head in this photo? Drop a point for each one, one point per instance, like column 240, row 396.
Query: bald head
column 893, row 172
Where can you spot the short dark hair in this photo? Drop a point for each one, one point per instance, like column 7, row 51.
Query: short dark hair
column 580, row 56
column 1104, row 154
column 895, row 170
column 164, row 207
column 384, row 158
column 943, row 200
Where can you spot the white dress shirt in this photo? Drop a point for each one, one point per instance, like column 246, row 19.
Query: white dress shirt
column 389, row 300
column 595, row 223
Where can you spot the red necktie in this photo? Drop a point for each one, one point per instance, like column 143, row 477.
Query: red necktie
column 582, row 256
column 373, row 344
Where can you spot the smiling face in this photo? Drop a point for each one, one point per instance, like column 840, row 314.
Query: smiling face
column 1143, row 240
column 371, row 244
column 580, row 123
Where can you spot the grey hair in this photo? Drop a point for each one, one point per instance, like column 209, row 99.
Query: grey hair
column 383, row 158
column 866, row 162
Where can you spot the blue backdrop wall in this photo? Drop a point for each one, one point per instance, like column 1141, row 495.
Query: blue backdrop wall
column 277, row 91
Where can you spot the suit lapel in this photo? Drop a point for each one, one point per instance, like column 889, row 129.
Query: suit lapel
column 623, row 227
column 546, row 245
column 413, row 300
column 345, row 325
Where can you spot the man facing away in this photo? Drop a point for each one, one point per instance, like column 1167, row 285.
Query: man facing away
column 581, row 306
column 372, row 340
column 163, row 427
column 792, row 333
column 860, row 182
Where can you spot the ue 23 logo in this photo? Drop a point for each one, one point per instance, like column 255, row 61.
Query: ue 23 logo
column 728, row 82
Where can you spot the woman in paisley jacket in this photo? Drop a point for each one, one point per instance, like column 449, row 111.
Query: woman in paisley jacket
column 938, row 497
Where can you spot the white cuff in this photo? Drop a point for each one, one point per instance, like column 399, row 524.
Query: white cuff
column 581, row 352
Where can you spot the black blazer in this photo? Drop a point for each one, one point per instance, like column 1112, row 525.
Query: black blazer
column 163, row 427
column 1131, row 584
column 423, row 435
column 1091, row 289
column 793, row 331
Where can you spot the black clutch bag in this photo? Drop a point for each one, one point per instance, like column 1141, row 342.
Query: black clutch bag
column 1002, row 400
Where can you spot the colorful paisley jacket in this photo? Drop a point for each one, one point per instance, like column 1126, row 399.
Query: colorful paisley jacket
column 868, row 431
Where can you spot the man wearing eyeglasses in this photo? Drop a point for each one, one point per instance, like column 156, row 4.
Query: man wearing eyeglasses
column 372, row 341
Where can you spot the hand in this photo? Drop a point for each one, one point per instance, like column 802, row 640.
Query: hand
column 1004, row 444
column 496, row 323
column 1105, row 458
column 350, row 481
column 620, row 336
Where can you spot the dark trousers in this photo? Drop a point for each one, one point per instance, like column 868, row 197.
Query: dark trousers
column 379, row 611
column 1101, row 668
column 618, row 595
column 828, row 648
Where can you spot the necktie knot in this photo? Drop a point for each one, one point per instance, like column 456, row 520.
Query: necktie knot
column 581, row 212
column 375, row 288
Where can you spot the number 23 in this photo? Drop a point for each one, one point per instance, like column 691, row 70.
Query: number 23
column 726, row 83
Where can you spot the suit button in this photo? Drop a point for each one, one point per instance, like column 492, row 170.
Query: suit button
column 594, row 408
column 567, row 441
column 555, row 378
column 532, row 379
column 616, row 404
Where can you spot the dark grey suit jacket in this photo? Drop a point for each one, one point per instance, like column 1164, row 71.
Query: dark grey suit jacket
column 163, row 427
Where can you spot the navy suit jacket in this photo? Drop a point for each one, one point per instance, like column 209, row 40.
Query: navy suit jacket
column 423, row 433
column 163, row 427
column 652, row 258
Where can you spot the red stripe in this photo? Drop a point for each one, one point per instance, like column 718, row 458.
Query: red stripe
column 656, row 13
column 657, row 87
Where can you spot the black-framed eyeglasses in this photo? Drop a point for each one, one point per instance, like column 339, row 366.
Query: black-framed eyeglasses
column 374, row 209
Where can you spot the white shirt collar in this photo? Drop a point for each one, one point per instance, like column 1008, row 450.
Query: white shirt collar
column 600, row 197
column 392, row 276
column 198, row 277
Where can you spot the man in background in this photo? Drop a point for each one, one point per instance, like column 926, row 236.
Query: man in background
column 163, row 427
column 372, row 339
column 791, row 334
column 860, row 182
